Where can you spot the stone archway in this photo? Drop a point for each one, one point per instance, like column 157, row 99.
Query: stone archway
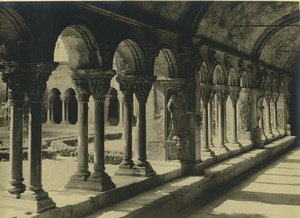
column 70, row 106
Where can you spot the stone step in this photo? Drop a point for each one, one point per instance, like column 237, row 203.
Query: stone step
column 165, row 200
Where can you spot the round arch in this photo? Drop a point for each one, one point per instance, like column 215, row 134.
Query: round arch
column 165, row 65
column 218, row 75
column 55, row 106
column 76, row 45
column 71, row 106
column 233, row 79
column 129, row 59
column 15, row 35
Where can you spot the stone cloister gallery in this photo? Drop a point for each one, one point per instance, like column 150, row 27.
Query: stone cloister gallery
column 192, row 82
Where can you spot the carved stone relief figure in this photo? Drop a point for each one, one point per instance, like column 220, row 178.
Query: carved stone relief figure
column 175, row 107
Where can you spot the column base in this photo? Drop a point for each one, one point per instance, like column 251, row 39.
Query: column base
column 126, row 170
column 144, row 169
column 16, row 189
column 37, row 201
column 99, row 183
column 207, row 151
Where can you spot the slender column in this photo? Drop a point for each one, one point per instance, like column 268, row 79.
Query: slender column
column 222, row 95
column 99, row 84
column 126, row 86
column 234, row 96
column 38, row 75
column 106, row 105
column 225, row 122
column 275, row 97
column 121, row 111
column 64, row 111
column 268, row 100
column 49, row 114
column 83, row 94
column 260, row 113
column 205, row 94
column 142, row 87
column 51, row 106
column 16, row 98
column 210, row 124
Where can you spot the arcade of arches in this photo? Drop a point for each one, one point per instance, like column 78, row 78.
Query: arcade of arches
column 195, row 79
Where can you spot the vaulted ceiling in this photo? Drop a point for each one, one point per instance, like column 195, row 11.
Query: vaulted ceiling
column 262, row 31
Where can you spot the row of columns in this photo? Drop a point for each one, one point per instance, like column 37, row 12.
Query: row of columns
column 221, row 93
column 97, row 84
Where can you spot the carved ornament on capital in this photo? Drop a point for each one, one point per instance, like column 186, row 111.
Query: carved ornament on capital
column 268, row 96
column 234, row 93
column 142, row 87
column 82, row 88
column 14, row 80
column 275, row 97
column 222, row 92
column 206, row 92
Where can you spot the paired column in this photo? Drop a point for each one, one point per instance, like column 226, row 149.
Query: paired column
column 268, row 97
column 234, row 93
column 83, row 94
column 275, row 97
column 99, row 84
column 127, row 89
column 205, row 95
column 38, row 75
column 260, row 113
column 14, row 80
column 222, row 95
column 142, row 87
column 210, row 123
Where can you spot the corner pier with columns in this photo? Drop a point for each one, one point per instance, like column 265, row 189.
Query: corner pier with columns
column 182, row 94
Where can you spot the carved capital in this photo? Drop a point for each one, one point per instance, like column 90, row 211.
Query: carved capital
column 268, row 96
column 98, row 81
column 205, row 92
column 275, row 97
column 142, row 87
column 125, row 83
column 222, row 92
column 14, row 80
column 234, row 93
column 82, row 88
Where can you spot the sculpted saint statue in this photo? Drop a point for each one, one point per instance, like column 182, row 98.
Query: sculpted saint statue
column 175, row 107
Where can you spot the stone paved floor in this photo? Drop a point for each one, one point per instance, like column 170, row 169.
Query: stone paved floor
column 272, row 191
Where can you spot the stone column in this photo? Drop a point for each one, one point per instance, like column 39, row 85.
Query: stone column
column 37, row 75
column 99, row 84
column 210, row 124
column 222, row 95
column 106, row 106
column 268, row 97
column 14, row 80
column 51, row 109
column 234, row 96
column 126, row 167
column 275, row 97
column 121, row 111
column 142, row 87
column 245, row 115
column 83, row 94
column 225, row 122
column 260, row 114
column 205, row 95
